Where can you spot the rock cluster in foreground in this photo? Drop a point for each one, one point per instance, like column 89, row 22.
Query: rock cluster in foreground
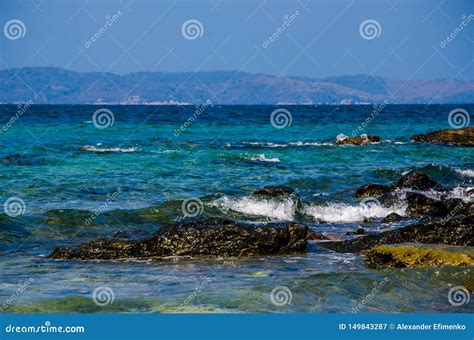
column 417, row 255
column 461, row 137
column 458, row 231
column 209, row 237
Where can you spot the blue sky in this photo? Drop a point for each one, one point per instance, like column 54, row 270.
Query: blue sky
column 322, row 39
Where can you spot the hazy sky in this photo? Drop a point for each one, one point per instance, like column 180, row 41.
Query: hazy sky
column 321, row 38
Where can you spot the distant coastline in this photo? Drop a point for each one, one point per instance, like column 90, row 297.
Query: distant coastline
column 53, row 85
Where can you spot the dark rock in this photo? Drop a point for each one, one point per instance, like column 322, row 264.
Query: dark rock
column 457, row 230
column 11, row 159
column 416, row 180
column 462, row 137
column 361, row 140
column 314, row 235
column 418, row 255
column 372, row 190
column 366, row 220
column 359, row 231
column 275, row 191
column 419, row 205
column 393, row 217
column 209, row 237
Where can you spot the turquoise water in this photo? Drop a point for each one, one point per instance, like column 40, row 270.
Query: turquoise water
column 79, row 182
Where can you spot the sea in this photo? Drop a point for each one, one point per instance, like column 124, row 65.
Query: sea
column 73, row 173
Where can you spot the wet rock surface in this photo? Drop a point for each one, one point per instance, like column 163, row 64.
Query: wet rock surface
column 391, row 218
column 416, row 255
column 461, row 137
column 275, row 191
column 209, row 237
column 360, row 140
column 458, row 230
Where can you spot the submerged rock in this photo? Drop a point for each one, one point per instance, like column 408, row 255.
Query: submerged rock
column 416, row 255
column 209, row 237
column 361, row 140
column 457, row 230
column 462, row 137
column 275, row 191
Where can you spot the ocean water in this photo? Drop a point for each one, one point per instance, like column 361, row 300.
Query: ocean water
column 80, row 179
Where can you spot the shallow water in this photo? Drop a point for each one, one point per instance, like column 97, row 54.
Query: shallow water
column 80, row 182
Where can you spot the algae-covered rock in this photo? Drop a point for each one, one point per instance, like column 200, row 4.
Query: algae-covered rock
column 462, row 137
column 417, row 255
column 207, row 237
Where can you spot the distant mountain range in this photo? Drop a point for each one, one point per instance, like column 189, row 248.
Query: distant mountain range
column 52, row 85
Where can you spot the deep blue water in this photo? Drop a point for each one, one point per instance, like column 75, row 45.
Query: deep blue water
column 136, row 173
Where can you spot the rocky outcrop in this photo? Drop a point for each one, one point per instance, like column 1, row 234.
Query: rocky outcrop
column 372, row 190
column 416, row 255
column 457, row 230
column 416, row 180
column 420, row 205
column 208, row 237
column 361, row 140
column 462, row 137
column 391, row 218
column 275, row 191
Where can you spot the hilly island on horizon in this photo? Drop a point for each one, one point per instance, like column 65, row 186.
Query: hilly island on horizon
column 54, row 85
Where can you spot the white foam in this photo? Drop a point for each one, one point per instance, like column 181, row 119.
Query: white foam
column 341, row 212
column 298, row 143
column 283, row 210
column 107, row 150
column 465, row 173
column 263, row 158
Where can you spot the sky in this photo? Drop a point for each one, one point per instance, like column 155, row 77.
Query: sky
column 402, row 39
